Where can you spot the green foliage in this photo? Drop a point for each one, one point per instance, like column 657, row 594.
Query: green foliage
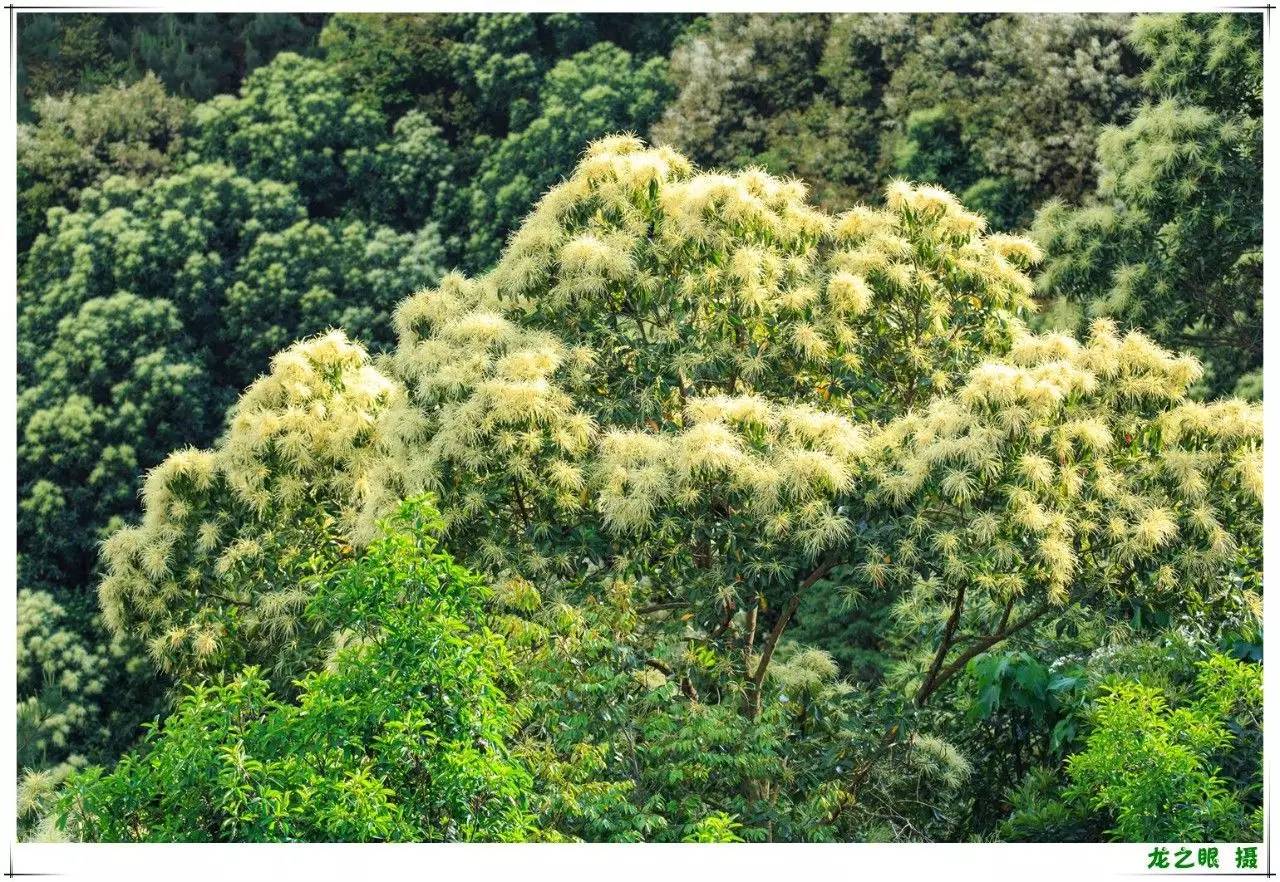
column 1009, row 104
column 470, row 73
column 637, row 726
column 1149, row 765
column 1186, row 171
column 515, row 97
column 1028, row 95
column 190, row 52
column 79, row 141
column 1170, row 662
column 77, row 699
column 292, row 123
column 591, row 94
column 475, row 74
column 296, row 122
column 718, row 827
column 734, row 74
column 61, row 53
column 931, row 149
column 840, row 617
column 180, row 238
column 118, row 385
column 82, row 695
column 1022, row 716
column 400, row 738
column 147, row 308
column 195, row 55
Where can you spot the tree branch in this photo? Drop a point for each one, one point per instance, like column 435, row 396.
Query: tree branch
column 729, row 609
column 661, row 607
column 749, row 639
column 524, row 514
column 948, row 633
column 982, row 644
column 757, row 679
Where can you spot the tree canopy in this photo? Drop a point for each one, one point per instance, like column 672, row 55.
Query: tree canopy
column 1185, row 171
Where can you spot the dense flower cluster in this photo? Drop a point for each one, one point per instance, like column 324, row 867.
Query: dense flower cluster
column 229, row 532
column 657, row 345
column 1064, row 472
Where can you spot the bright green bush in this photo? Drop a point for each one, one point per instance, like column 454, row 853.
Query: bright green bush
column 716, row 828
column 1148, row 765
column 402, row 737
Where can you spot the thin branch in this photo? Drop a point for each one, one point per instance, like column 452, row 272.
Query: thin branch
column 982, row 644
column 948, row 633
column 661, row 607
column 1004, row 619
column 849, row 794
column 729, row 609
column 757, row 679
column 771, row 643
column 524, row 513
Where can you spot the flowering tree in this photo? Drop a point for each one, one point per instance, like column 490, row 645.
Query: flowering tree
column 679, row 402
